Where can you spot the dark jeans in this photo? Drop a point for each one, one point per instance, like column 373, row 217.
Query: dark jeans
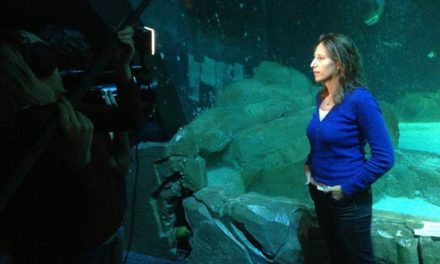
column 346, row 226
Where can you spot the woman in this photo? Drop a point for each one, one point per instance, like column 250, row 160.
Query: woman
column 337, row 171
column 68, row 209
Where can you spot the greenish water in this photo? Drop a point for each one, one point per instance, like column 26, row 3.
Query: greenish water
column 420, row 136
column 417, row 207
column 206, row 46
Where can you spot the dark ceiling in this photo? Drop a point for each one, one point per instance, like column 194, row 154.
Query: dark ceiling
column 94, row 18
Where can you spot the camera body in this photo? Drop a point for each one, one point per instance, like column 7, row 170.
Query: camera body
column 105, row 85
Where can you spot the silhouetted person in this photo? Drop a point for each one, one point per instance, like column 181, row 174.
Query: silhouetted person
column 68, row 209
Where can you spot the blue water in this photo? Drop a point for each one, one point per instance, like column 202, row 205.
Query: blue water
column 416, row 207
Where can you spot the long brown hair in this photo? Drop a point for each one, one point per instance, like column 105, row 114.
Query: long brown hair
column 344, row 52
column 24, row 85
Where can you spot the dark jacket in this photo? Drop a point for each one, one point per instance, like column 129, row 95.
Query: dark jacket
column 56, row 210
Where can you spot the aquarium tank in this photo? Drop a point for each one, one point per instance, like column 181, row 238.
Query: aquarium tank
column 217, row 173
column 228, row 186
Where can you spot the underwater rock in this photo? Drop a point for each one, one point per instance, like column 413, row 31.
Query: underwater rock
column 194, row 176
column 429, row 250
column 182, row 144
column 272, row 81
column 269, row 147
column 210, row 72
column 166, row 171
column 250, row 228
column 212, row 242
column 393, row 242
column 221, row 125
column 415, row 175
column 155, row 203
column 254, row 228
column 228, row 179
column 419, row 107
column 271, row 224
column 391, row 121
column 257, row 125
column 213, row 150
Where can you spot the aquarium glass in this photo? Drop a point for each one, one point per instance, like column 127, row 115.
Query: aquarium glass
column 243, row 67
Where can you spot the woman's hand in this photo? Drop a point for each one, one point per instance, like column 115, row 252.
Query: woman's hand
column 78, row 132
column 308, row 173
column 336, row 192
column 124, row 54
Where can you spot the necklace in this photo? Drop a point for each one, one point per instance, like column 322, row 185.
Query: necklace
column 327, row 102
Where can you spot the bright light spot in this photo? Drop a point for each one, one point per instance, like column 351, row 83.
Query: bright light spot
column 431, row 54
column 153, row 39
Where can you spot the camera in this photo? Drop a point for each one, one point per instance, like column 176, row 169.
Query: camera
column 105, row 85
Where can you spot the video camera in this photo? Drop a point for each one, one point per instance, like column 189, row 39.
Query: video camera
column 105, row 84
column 144, row 40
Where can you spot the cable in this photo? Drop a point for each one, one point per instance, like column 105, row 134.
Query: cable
column 133, row 201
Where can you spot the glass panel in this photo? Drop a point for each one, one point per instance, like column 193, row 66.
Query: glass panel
column 249, row 62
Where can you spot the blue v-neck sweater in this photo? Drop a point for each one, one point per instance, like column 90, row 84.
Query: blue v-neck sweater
column 337, row 155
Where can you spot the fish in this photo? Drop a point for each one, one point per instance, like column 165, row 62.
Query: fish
column 377, row 8
column 392, row 44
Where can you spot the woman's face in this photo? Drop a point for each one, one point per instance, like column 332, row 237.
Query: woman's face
column 323, row 67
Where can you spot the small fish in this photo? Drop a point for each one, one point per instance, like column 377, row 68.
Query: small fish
column 392, row 44
column 431, row 55
column 376, row 10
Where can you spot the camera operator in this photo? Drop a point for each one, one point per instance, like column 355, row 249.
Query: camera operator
column 74, row 53
column 68, row 210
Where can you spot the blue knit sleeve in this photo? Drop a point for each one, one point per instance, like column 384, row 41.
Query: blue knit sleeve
column 372, row 127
